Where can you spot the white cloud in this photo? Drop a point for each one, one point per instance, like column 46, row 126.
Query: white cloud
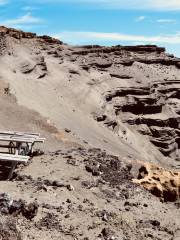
column 2, row 2
column 166, row 21
column 140, row 18
column 29, row 8
column 88, row 37
column 23, row 20
column 125, row 4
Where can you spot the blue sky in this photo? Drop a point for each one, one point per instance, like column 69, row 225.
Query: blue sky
column 105, row 22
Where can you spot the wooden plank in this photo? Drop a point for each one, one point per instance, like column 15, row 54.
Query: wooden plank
column 10, row 175
column 28, row 134
column 17, row 158
column 19, row 133
column 24, row 135
column 14, row 160
column 40, row 140
column 10, row 159
column 18, row 136
column 21, row 139
column 5, row 155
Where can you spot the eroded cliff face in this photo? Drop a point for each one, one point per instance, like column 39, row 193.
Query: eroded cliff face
column 143, row 92
column 153, row 110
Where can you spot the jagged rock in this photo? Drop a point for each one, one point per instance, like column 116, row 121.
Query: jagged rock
column 94, row 169
column 160, row 182
column 41, row 63
column 30, row 210
column 16, row 207
column 121, row 92
column 99, row 116
column 70, row 187
column 122, row 76
column 58, row 184
column 108, row 234
column 126, row 62
column 20, row 34
column 119, row 49
column 16, row 33
column 27, row 67
column 5, row 203
column 85, row 67
column 50, row 39
column 67, row 130
column 102, row 64
column 163, row 61
column 73, row 71
column 42, row 75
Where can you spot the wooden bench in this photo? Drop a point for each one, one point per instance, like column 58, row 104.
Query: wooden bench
column 14, row 159
column 19, row 142
column 20, row 145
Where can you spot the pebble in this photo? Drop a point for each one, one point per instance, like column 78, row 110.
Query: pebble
column 70, row 187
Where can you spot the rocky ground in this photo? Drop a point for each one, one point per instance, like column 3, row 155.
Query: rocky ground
column 111, row 119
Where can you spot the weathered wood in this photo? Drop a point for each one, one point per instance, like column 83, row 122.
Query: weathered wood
column 13, row 158
column 12, row 170
column 21, row 139
column 19, row 133
column 19, row 136
column 12, row 155
column 16, row 139
column 19, row 144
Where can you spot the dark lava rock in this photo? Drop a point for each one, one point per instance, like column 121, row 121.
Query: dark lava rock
column 37, row 152
column 16, row 207
column 94, row 169
column 5, row 203
column 155, row 223
column 107, row 234
column 20, row 207
column 67, row 130
column 58, row 184
column 30, row 211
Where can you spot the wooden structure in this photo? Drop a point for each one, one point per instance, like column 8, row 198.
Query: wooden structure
column 19, row 145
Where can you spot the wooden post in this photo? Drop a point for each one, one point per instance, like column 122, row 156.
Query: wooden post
column 12, row 148
column 11, row 170
column 31, row 148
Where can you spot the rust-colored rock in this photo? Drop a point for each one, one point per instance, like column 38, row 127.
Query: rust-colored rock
column 162, row 183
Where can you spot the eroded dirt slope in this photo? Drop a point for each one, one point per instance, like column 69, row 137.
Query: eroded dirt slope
column 127, row 96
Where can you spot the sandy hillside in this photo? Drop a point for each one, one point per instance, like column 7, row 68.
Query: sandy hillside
column 111, row 119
